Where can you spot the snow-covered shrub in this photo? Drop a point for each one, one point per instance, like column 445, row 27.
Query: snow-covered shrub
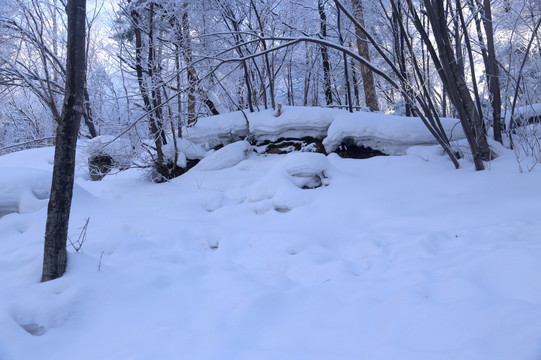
column 525, row 135
column 106, row 153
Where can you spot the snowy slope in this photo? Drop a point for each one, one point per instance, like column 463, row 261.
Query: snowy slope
column 298, row 256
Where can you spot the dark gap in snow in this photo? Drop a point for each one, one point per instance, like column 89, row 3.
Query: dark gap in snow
column 349, row 149
column 34, row 329
column 288, row 145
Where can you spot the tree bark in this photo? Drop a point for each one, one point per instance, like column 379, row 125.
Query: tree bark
column 270, row 73
column 58, row 212
column 346, row 70
column 325, row 54
column 142, row 71
column 492, row 73
column 369, row 86
column 190, row 72
column 454, row 82
column 397, row 20
column 87, row 114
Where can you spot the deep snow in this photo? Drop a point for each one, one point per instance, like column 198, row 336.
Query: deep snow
column 399, row 257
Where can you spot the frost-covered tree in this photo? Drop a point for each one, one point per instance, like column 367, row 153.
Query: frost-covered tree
column 36, row 61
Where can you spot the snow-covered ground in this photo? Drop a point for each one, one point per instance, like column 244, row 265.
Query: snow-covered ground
column 298, row 256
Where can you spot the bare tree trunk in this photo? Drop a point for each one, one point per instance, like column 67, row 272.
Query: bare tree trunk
column 154, row 73
column 453, row 79
column 228, row 14
column 179, row 96
column 346, row 70
column 492, row 73
column 58, row 211
column 145, row 94
column 369, row 86
column 87, row 115
column 396, row 20
column 190, row 73
column 355, row 80
column 270, row 73
column 325, row 54
column 307, row 75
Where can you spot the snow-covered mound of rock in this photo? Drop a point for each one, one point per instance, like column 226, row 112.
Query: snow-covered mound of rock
column 392, row 135
column 214, row 131
column 292, row 123
column 525, row 115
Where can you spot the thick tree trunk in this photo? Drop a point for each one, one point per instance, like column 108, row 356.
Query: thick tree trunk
column 369, row 86
column 58, row 212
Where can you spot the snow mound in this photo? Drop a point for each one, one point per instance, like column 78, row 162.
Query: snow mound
column 294, row 122
column 228, row 156
column 42, row 159
column 25, row 191
column 186, row 150
column 522, row 115
column 217, row 130
column 191, row 150
column 283, row 187
column 392, row 135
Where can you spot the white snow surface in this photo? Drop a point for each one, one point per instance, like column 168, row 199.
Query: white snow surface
column 398, row 257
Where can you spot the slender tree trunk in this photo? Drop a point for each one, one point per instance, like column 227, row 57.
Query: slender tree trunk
column 228, row 14
column 453, row 78
column 58, row 211
column 346, row 69
column 269, row 71
column 179, row 96
column 397, row 19
column 155, row 78
column 325, row 54
column 492, row 73
column 190, row 73
column 369, row 86
column 355, row 80
column 87, row 115
column 307, row 75
column 145, row 94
